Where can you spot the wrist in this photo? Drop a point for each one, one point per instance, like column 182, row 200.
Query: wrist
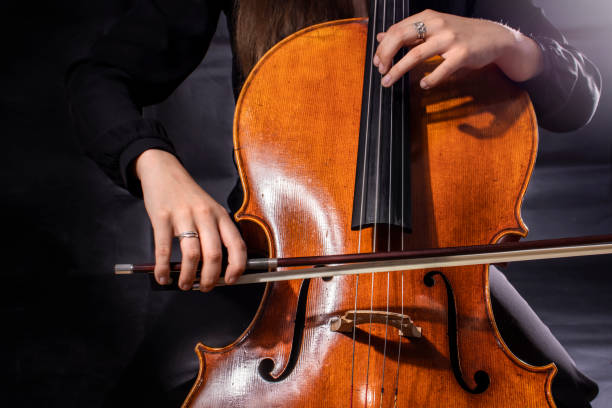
column 151, row 159
column 521, row 58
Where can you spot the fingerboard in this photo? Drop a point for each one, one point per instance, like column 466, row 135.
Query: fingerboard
column 382, row 182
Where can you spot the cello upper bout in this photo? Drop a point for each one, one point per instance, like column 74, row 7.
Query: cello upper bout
column 475, row 136
column 295, row 131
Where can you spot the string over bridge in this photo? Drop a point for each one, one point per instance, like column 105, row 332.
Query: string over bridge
column 403, row 323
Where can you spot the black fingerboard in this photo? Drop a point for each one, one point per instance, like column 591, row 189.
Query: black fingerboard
column 382, row 182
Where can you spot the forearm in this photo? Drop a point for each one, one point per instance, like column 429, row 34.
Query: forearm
column 109, row 123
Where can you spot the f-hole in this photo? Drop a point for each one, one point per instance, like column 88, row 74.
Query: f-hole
column 266, row 366
column 481, row 378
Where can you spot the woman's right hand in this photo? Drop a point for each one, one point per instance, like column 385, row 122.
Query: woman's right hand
column 175, row 204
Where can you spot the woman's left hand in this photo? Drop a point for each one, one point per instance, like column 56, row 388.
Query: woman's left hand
column 462, row 42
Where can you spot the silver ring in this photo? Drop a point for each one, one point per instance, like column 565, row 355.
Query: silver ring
column 420, row 29
column 188, row 234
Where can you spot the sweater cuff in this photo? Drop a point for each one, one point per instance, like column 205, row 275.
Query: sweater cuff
column 562, row 94
column 542, row 89
column 152, row 136
column 135, row 149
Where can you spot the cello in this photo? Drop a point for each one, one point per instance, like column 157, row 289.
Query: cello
column 425, row 337
column 471, row 148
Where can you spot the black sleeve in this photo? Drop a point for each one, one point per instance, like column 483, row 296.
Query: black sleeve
column 139, row 62
column 565, row 95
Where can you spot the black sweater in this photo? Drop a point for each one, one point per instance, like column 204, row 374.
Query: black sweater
column 156, row 45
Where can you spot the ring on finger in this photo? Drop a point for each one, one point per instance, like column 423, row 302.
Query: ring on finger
column 421, row 30
column 188, row 234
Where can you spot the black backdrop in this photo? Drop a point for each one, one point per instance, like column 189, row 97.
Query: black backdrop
column 70, row 327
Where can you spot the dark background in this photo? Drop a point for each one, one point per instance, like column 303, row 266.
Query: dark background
column 70, row 327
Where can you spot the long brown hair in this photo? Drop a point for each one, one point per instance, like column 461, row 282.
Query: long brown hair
column 262, row 23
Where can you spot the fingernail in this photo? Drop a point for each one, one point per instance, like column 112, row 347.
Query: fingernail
column 381, row 69
column 424, row 84
column 230, row 279
column 376, row 60
column 386, row 81
column 163, row 280
column 185, row 286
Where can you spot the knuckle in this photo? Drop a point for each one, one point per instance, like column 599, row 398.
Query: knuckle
column 225, row 217
column 393, row 35
column 416, row 54
column 163, row 216
column 191, row 254
column 433, row 78
column 213, row 256
column 462, row 53
column 385, row 59
column 450, row 36
column 240, row 245
column 162, row 251
column 204, row 210
column 182, row 213
column 406, row 33
column 439, row 22
column 442, row 72
column 392, row 30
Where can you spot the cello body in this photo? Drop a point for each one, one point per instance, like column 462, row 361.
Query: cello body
column 473, row 146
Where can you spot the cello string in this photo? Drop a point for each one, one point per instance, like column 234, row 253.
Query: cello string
column 389, row 199
column 377, row 192
column 403, row 151
column 361, row 204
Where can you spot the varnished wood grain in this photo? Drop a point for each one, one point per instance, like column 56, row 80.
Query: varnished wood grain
column 295, row 135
